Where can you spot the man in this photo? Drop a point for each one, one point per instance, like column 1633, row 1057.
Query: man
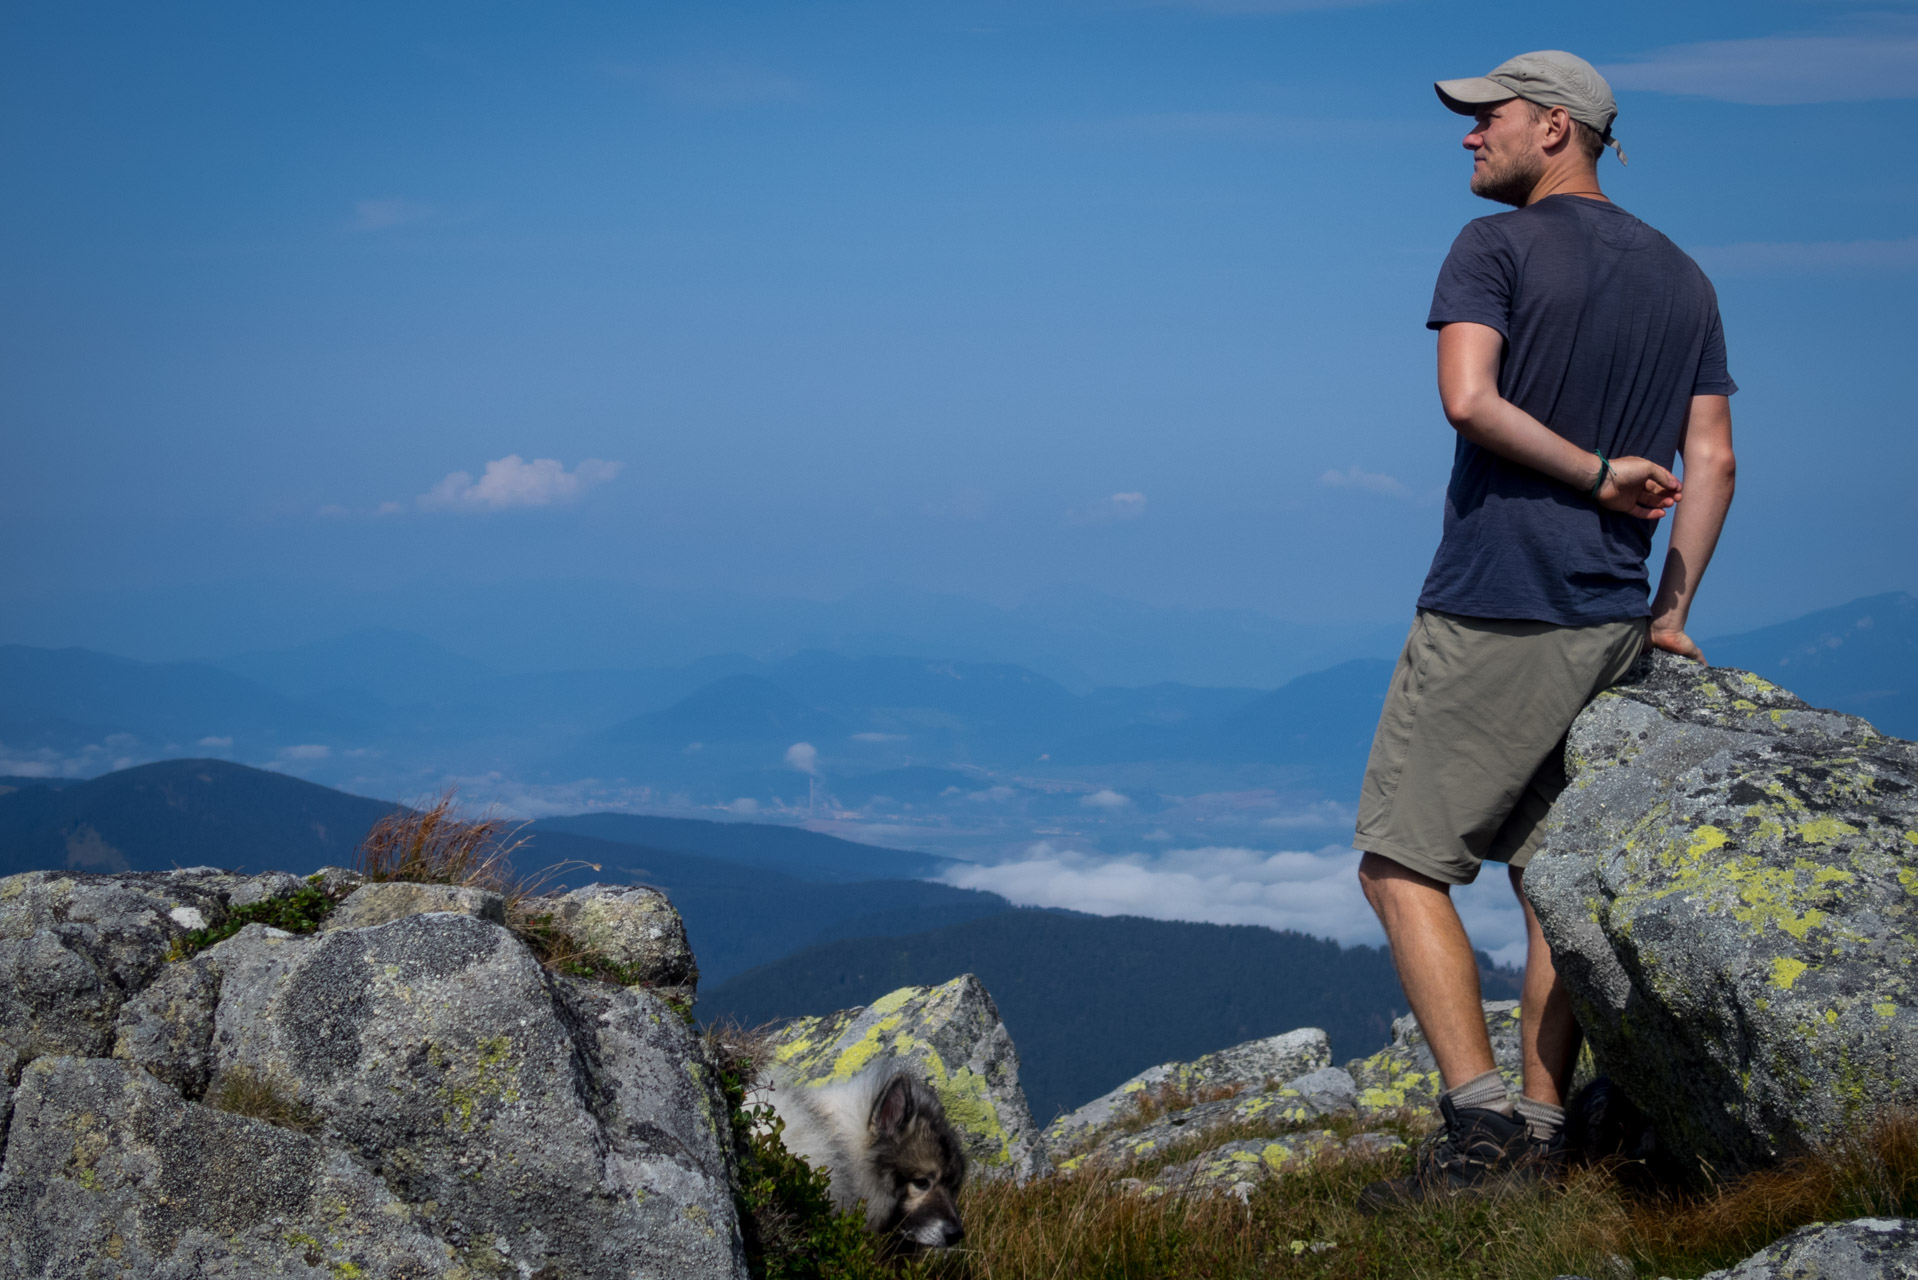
column 1578, row 351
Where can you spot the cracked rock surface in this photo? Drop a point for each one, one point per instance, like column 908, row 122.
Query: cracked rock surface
column 443, row 1105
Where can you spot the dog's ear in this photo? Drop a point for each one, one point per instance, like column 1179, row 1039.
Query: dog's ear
column 895, row 1107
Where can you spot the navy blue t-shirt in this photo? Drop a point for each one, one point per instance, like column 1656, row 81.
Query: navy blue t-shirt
column 1610, row 330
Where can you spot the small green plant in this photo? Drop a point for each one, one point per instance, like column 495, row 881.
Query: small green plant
column 298, row 912
column 262, row 1096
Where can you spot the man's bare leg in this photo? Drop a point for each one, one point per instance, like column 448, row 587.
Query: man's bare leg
column 1435, row 963
column 1548, row 1033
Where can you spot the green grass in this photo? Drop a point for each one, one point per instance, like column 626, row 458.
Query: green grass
column 298, row 912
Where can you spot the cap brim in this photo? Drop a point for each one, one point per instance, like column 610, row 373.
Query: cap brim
column 1468, row 95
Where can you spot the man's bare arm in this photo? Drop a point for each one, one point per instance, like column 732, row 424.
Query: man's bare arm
column 1711, row 473
column 1468, row 359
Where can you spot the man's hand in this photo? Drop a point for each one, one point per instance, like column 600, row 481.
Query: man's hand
column 1639, row 487
column 1672, row 641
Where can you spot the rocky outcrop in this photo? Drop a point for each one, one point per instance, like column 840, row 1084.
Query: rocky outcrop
column 461, row 1109
column 953, row 1037
column 1729, row 889
column 1404, row 1073
column 1255, row 1066
column 75, row 948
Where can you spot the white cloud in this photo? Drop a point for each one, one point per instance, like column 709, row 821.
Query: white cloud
column 307, row 751
column 1105, row 798
column 385, row 214
column 218, row 743
column 1315, row 893
column 1811, row 257
column 1367, row 482
column 514, row 482
column 1782, row 70
column 803, row 756
column 1113, row 510
column 878, row 737
column 743, row 805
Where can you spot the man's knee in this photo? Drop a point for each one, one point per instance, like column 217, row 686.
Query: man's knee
column 1380, row 878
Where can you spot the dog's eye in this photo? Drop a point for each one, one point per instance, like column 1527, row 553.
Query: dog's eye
column 921, row 1184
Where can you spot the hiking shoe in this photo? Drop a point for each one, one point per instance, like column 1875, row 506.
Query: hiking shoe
column 1478, row 1152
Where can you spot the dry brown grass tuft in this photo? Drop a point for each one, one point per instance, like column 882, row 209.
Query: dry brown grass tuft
column 433, row 844
column 262, row 1096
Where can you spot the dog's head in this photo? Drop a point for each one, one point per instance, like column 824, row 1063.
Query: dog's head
column 916, row 1155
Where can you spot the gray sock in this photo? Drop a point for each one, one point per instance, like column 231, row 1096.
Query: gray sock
column 1486, row 1092
column 1544, row 1120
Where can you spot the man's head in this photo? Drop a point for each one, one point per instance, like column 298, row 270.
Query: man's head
column 1535, row 113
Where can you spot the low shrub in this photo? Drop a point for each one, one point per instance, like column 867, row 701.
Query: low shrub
column 298, row 912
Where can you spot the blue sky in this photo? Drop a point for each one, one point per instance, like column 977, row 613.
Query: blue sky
column 796, row 299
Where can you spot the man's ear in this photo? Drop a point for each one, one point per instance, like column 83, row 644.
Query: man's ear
column 894, row 1108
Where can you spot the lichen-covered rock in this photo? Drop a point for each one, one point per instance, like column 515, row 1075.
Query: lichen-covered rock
column 75, row 946
column 1325, row 1092
column 1729, row 889
column 1404, row 1074
column 385, row 901
column 1255, row 1066
column 1862, row 1249
column 526, row 1116
column 110, row 1173
column 1235, row 1168
column 635, row 933
column 953, row 1037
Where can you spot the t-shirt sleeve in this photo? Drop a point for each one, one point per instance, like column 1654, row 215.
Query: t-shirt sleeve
column 1477, row 282
column 1714, row 378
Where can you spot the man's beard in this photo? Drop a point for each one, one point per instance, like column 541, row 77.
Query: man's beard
column 1509, row 182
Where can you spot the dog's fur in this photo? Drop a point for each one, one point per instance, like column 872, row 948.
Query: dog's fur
column 884, row 1141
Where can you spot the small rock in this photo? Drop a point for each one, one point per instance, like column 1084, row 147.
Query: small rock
column 1862, row 1249
column 636, row 932
column 168, row 1028
column 953, row 1037
column 388, row 900
column 1252, row 1066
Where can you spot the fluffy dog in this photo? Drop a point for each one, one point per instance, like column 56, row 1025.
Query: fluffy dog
column 884, row 1141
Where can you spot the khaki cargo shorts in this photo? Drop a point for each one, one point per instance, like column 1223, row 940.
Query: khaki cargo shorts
column 1469, row 753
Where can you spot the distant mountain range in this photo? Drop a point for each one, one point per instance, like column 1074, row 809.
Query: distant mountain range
column 770, row 891
column 777, row 924
column 955, row 755
column 1091, row 1000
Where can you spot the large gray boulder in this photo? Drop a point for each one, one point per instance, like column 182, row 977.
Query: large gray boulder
column 953, row 1038
column 1728, row 886
column 557, row 1122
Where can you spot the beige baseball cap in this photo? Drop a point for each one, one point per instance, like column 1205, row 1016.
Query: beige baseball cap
column 1549, row 77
